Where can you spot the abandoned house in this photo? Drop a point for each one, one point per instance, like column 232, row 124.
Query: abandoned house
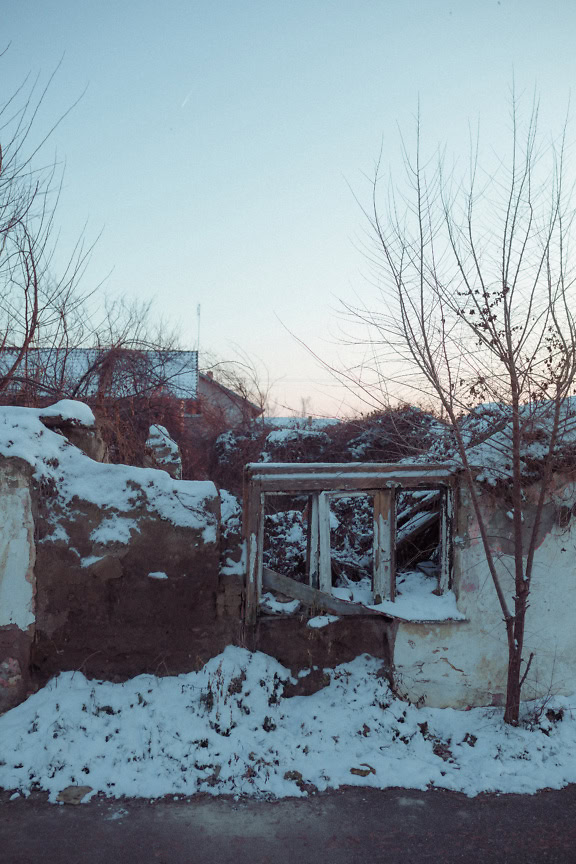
column 116, row 570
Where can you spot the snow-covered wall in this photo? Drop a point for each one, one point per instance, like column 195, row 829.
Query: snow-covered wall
column 461, row 664
column 125, row 560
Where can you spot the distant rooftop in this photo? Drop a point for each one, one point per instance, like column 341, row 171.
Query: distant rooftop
column 82, row 372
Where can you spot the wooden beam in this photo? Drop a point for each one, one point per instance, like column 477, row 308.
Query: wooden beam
column 325, row 557
column 412, row 529
column 446, row 516
column 354, row 476
column 273, row 581
column 313, row 538
column 430, row 501
column 383, row 580
column 253, row 530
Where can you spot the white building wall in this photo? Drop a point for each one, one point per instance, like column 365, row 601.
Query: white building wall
column 462, row 664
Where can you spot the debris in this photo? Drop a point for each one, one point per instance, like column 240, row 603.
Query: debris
column 73, row 794
column 363, row 772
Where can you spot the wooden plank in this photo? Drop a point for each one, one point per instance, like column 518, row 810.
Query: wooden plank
column 427, row 503
column 432, row 469
column 318, row 483
column 274, row 581
column 325, row 557
column 446, row 516
column 252, row 530
column 383, row 549
column 355, row 476
column 313, row 538
column 413, row 528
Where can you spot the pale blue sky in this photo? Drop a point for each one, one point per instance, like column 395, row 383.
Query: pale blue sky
column 216, row 141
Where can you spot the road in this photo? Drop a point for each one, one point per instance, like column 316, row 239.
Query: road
column 350, row 825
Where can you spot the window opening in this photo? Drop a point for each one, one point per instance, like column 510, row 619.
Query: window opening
column 418, row 542
column 347, row 547
column 285, row 535
column 351, row 519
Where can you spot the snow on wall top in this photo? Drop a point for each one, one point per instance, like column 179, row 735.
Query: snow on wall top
column 82, row 372
column 487, row 434
column 300, row 422
column 119, row 488
column 158, row 436
column 74, row 412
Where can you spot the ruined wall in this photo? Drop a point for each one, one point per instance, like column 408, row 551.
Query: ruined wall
column 116, row 571
column 120, row 594
column 110, row 569
column 17, row 583
column 300, row 647
column 459, row 664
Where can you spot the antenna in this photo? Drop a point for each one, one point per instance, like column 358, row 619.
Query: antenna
column 198, row 328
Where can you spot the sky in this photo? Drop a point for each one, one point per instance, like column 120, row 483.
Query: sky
column 220, row 151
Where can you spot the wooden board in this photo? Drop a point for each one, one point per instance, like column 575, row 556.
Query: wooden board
column 273, row 581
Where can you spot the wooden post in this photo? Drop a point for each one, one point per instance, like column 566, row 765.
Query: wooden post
column 325, row 560
column 446, row 514
column 384, row 579
column 253, row 530
column 313, row 557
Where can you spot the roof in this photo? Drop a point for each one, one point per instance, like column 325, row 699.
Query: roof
column 255, row 410
column 121, row 372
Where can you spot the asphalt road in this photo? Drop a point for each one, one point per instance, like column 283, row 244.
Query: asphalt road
column 350, row 825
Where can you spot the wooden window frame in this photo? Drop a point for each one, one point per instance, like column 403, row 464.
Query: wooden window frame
column 323, row 482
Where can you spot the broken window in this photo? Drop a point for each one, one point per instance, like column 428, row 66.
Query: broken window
column 374, row 533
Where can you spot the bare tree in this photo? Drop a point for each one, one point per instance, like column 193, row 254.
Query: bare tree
column 243, row 375
column 477, row 304
column 34, row 304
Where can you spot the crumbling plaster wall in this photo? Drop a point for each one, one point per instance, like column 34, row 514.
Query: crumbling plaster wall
column 145, row 602
column 108, row 569
column 17, row 582
column 459, row 664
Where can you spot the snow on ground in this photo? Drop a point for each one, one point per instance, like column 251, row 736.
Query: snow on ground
column 228, row 730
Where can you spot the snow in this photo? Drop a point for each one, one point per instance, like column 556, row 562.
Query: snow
column 158, row 574
column 114, row 529
column 233, row 568
column 228, row 729
column 300, row 422
column 230, row 508
column 120, row 488
column 282, row 436
column 90, row 559
column 166, row 450
column 414, row 601
column 71, row 410
column 487, row 435
column 321, row 621
column 270, row 604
